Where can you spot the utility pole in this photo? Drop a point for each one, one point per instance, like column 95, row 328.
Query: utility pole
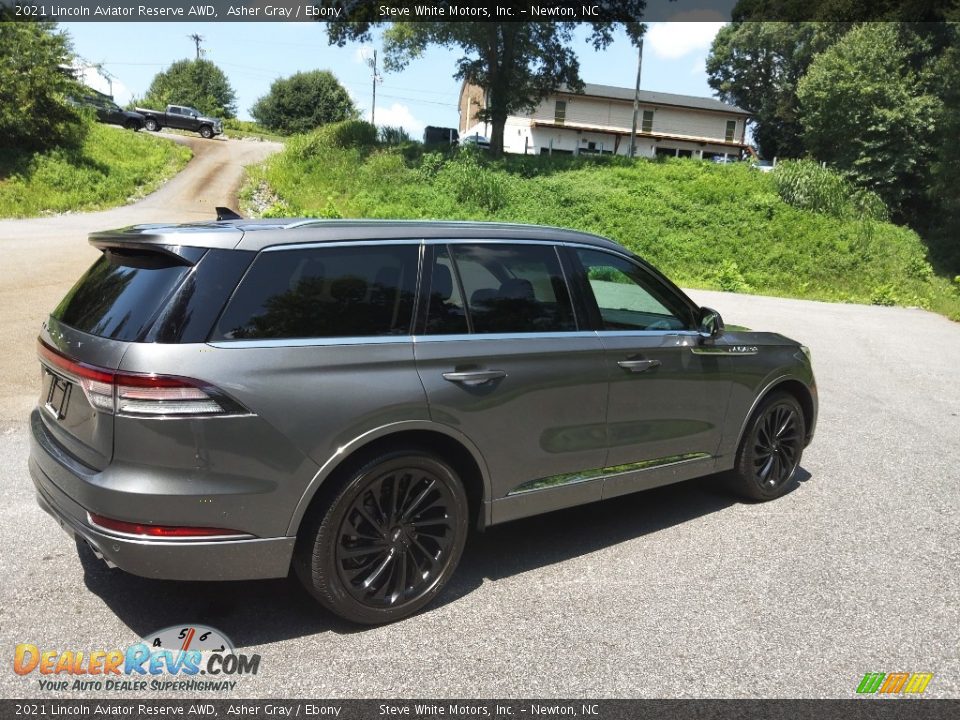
column 197, row 39
column 636, row 102
column 372, row 63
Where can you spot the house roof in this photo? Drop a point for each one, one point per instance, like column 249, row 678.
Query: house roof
column 650, row 97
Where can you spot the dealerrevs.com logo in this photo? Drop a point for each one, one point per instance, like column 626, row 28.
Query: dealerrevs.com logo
column 181, row 658
column 894, row 683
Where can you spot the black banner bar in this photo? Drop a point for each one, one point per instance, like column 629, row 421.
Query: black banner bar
column 855, row 709
column 472, row 10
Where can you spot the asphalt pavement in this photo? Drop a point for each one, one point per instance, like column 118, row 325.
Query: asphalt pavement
column 679, row 592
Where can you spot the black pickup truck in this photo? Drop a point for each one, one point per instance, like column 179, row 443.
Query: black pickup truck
column 182, row 118
column 108, row 111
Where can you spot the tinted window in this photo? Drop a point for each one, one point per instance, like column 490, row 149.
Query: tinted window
column 445, row 309
column 628, row 297
column 325, row 292
column 514, row 288
column 119, row 295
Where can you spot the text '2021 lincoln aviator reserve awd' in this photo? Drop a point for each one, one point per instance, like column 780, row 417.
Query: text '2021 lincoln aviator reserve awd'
column 226, row 400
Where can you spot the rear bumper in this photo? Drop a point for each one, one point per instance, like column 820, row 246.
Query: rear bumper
column 246, row 559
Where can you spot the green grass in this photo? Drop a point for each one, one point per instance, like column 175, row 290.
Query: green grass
column 111, row 167
column 247, row 129
column 710, row 226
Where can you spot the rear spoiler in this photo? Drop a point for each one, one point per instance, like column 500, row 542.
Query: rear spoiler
column 225, row 213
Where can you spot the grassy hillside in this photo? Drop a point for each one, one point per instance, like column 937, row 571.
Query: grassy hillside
column 112, row 167
column 704, row 225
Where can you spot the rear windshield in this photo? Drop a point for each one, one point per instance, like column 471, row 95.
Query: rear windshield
column 120, row 294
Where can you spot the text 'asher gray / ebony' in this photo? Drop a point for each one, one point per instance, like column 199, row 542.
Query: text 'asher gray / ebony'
column 225, row 400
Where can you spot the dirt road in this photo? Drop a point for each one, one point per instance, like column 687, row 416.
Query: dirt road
column 40, row 258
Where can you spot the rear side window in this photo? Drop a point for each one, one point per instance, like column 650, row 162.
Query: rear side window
column 121, row 293
column 360, row 291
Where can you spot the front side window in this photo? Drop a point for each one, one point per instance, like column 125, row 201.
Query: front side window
column 359, row 291
column 628, row 297
column 513, row 288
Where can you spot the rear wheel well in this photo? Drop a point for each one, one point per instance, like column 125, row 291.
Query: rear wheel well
column 433, row 443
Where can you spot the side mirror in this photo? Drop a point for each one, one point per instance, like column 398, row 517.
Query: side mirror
column 710, row 324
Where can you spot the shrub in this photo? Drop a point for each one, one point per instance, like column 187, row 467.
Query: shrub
column 393, row 135
column 347, row 134
column 808, row 186
column 302, row 102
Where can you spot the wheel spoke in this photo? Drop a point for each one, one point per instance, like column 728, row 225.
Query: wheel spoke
column 766, row 469
column 402, row 573
column 378, row 527
column 432, row 557
column 378, row 571
column 351, row 552
column 783, row 426
column 419, row 499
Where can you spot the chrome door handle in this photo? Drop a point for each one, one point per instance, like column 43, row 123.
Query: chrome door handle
column 474, row 377
column 639, row 365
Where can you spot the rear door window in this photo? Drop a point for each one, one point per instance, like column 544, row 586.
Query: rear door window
column 356, row 291
column 119, row 296
column 513, row 288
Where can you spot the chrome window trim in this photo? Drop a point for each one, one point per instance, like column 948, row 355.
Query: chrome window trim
column 647, row 333
column 310, row 342
column 456, row 337
column 459, row 337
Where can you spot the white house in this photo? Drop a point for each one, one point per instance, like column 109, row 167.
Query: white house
column 599, row 121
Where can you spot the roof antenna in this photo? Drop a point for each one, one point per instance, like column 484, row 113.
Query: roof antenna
column 225, row 213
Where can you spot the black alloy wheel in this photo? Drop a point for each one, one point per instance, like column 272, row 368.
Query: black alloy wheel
column 388, row 542
column 771, row 449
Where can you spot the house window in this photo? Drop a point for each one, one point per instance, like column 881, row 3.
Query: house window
column 560, row 112
column 731, row 130
column 647, row 124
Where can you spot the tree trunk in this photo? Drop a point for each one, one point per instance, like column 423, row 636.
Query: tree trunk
column 497, row 123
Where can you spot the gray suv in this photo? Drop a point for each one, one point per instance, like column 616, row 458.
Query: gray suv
column 227, row 400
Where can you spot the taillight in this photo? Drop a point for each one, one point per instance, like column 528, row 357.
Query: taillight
column 125, row 393
column 161, row 531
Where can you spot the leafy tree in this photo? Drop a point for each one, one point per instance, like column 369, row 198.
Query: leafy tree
column 302, row 102
column 197, row 83
column 867, row 112
column 517, row 64
column 945, row 171
column 35, row 84
column 757, row 66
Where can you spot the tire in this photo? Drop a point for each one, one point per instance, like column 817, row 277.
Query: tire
column 389, row 539
column 133, row 125
column 151, row 124
column 206, row 132
column 770, row 450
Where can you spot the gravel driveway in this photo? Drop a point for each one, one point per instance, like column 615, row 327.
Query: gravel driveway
column 681, row 591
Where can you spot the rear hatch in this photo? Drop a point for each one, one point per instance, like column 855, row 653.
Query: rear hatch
column 84, row 341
